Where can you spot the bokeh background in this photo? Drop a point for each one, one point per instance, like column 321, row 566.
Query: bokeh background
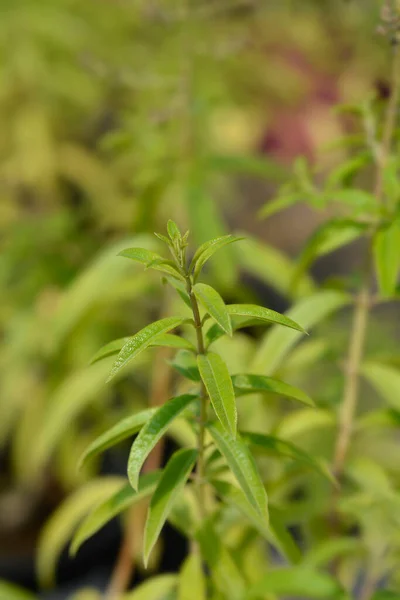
column 114, row 116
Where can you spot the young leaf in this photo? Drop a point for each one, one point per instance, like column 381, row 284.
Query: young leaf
column 214, row 305
column 192, row 582
column 121, row 431
column 141, row 340
column 62, row 523
column 387, row 258
column 274, row 445
column 297, row 581
column 226, row 575
column 170, row 486
column 259, row 313
column 242, row 465
column 216, row 378
column 173, row 231
column 206, row 250
column 152, row 432
column 385, row 379
column 156, row 588
column 152, row 260
column 253, row 384
column 121, row 500
column 278, row 342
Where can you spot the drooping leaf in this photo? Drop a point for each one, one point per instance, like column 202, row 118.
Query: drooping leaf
column 192, row 580
column 152, row 260
column 9, row 591
column 157, row 588
column 226, row 575
column 386, row 381
column 218, row 383
column 387, row 258
column 170, row 486
column 152, row 432
column 243, row 466
column 297, row 581
column 141, row 340
column 277, row 341
column 272, row 445
column 121, row 431
column 206, row 250
column 215, row 306
column 259, row 313
column 63, row 522
column 114, row 505
column 252, row 384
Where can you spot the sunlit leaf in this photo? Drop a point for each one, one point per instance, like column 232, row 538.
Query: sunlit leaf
column 214, row 305
column 156, row 588
column 64, row 521
column 192, row 582
column 266, row 315
column 170, row 486
column 121, row 431
column 152, row 432
column 218, row 383
column 253, row 384
column 142, row 340
column 242, row 465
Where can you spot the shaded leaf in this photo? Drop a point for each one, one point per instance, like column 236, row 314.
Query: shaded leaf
column 218, row 383
column 297, row 581
column 186, row 364
column 152, row 432
column 252, row 384
column 141, row 340
column 386, row 249
column 259, row 313
column 386, row 381
column 214, row 305
column 9, row 591
column 329, row 550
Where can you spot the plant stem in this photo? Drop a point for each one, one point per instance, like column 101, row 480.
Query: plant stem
column 200, row 468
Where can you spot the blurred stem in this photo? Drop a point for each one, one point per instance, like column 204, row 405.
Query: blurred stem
column 160, row 387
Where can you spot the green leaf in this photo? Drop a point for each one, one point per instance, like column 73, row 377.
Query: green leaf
column 259, row 313
column 156, row 588
column 9, row 591
column 169, row 340
column 152, row 432
column 386, row 595
column 170, row 486
column 121, row 500
column 173, row 231
column 206, row 250
column 218, row 383
column 192, row 584
column 185, row 363
column 121, row 431
column 152, row 260
column 278, row 204
column 327, row 551
column 110, row 349
column 387, row 258
column 180, row 288
column 282, row 538
column 386, row 381
column 301, row 422
column 226, row 575
column 63, row 522
column 297, row 581
column 310, row 311
column 253, row 384
column 243, row 466
column 141, row 340
column 214, row 304
column 274, row 445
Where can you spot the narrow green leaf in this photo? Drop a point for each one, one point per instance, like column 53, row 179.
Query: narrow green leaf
column 169, row 340
column 310, row 311
column 63, row 522
column 173, row 231
column 386, row 381
column 243, row 466
column 192, row 584
column 274, row 445
column 226, row 575
column 186, row 364
column 252, row 384
column 152, row 432
column 387, row 258
column 152, row 260
column 300, row 422
column 173, row 480
column 180, row 288
column 259, row 313
column 297, row 581
column 214, row 305
column 110, row 349
column 9, row 591
column 156, row 588
column 327, row 551
column 141, row 340
column 218, row 383
column 114, row 505
column 121, row 431
column 206, row 250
